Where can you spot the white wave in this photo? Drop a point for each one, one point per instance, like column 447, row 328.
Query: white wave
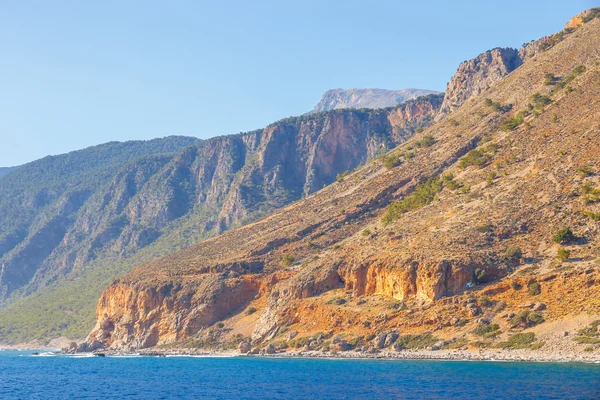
column 124, row 355
column 202, row 355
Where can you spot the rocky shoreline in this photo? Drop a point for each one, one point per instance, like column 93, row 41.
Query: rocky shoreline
column 441, row 355
column 450, row 355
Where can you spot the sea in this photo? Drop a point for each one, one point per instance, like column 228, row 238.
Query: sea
column 53, row 376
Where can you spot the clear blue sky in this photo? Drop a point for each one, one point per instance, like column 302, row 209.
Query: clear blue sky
column 79, row 73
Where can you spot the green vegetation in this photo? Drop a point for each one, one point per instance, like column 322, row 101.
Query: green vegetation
column 340, row 176
column 250, row 310
column 578, row 70
column 591, row 330
column 287, row 260
column 366, row 232
column 563, row 254
column 497, row 106
column 593, row 13
column 484, row 228
column 593, row 216
column 534, row 288
column 593, row 194
column 337, row 301
column 540, row 101
column 450, row 183
column 477, row 157
column 513, row 255
column 564, row 236
column 556, row 38
column 392, row 161
column 549, row 79
column 421, row 196
column 518, row 341
column 487, row 330
column 490, row 178
column 514, row 285
column 411, row 342
column 456, row 343
column 586, row 340
column 513, row 123
column 479, row 275
column 584, row 171
column 427, row 141
column 563, row 82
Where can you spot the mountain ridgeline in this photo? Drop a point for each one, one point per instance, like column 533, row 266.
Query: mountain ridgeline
column 104, row 204
column 481, row 231
column 367, row 98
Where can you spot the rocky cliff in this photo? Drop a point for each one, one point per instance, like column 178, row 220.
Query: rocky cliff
column 366, row 98
column 481, row 227
column 477, row 75
column 168, row 201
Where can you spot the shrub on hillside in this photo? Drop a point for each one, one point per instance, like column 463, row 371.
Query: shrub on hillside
column 287, row 260
column 513, row 255
column 563, row 254
column 427, row 141
column 578, row 70
column 518, row 341
column 563, row 236
column 540, row 100
column 421, row 196
column 513, row 123
column 534, row 288
column 475, row 157
column 391, row 161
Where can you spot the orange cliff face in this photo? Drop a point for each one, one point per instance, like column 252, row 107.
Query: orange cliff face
column 504, row 184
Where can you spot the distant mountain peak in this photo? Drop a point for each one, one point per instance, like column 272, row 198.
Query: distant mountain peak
column 366, row 98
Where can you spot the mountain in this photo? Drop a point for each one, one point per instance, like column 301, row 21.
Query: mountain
column 479, row 232
column 366, row 98
column 6, row 170
column 76, row 222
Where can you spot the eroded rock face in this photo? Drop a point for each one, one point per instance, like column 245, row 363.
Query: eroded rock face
column 476, row 75
column 143, row 316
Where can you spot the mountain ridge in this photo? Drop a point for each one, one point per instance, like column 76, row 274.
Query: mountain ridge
column 367, row 98
column 167, row 202
column 485, row 198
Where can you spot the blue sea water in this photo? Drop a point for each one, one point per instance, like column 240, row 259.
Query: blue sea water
column 23, row 376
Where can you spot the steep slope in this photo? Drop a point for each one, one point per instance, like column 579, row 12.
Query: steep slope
column 456, row 232
column 366, row 98
column 164, row 203
column 40, row 200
